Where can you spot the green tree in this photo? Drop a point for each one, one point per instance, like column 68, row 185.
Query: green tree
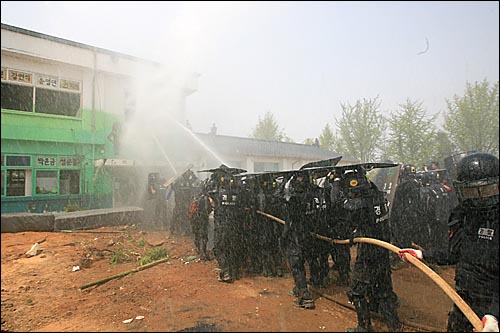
column 327, row 138
column 472, row 119
column 360, row 129
column 267, row 128
column 444, row 147
column 412, row 137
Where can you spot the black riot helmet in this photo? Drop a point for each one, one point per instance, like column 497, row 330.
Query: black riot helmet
column 355, row 183
column 300, row 182
column 477, row 180
column 407, row 172
column 153, row 178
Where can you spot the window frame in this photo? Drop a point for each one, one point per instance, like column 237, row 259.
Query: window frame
column 71, row 86
column 35, row 179
column 33, row 167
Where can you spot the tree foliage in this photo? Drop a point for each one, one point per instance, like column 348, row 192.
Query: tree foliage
column 411, row 136
column 360, row 129
column 267, row 128
column 327, row 138
column 444, row 147
column 472, row 119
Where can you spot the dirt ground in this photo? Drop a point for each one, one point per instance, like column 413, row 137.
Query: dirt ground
column 42, row 293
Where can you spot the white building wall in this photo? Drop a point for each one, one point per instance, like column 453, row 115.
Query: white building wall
column 119, row 79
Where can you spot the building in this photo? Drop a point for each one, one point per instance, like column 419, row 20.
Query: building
column 255, row 155
column 63, row 107
column 82, row 127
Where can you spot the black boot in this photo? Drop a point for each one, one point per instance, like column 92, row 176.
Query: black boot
column 359, row 329
column 388, row 309
column 224, row 276
column 305, row 299
column 203, row 250
column 294, row 292
column 395, row 327
column 364, row 321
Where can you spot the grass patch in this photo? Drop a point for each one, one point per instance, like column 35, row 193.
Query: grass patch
column 154, row 254
column 118, row 257
column 141, row 242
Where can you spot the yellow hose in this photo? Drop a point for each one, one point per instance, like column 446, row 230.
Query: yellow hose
column 459, row 302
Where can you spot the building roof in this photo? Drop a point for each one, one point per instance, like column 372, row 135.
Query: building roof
column 72, row 43
column 225, row 144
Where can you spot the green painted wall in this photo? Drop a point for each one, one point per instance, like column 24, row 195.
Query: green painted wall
column 26, row 133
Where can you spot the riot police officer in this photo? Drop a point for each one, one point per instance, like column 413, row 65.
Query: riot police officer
column 184, row 188
column 299, row 219
column 473, row 242
column 405, row 211
column 228, row 217
column 371, row 278
column 199, row 210
column 267, row 230
column 339, row 227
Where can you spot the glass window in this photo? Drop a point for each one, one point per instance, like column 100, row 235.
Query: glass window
column 265, row 166
column 46, row 182
column 16, row 180
column 3, row 174
column 17, row 97
column 57, row 102
column 18, row 161
column 70, row 181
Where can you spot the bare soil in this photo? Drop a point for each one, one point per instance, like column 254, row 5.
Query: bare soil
column 43, row 292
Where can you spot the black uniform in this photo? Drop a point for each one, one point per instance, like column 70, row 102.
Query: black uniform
column 405, row 213
column 228, row 217
column 299, row 222
column 198, row 216
column 184, row 188
column 269, row 231
column 474, row 239
column 436, row 203
column 339, row 227
column 371, row 278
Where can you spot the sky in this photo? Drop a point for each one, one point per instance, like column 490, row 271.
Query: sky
column 298, row 60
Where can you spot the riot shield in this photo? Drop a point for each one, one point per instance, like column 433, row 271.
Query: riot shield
column 386, row 179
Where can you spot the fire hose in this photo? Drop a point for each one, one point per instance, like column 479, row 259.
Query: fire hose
column 448, row 290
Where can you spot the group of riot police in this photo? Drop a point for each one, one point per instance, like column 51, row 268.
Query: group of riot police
column 421, row 208
column 267, row 222
column 264, row 222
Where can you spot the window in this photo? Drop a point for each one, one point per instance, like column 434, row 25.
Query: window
column 18, row 161
column 17, row 97
column 51, row 175
column 40, row 93
column 57, row 102
column 70, row 182
column 46, row 182
column 3, row 175
column 265, row 166
column 16, row 180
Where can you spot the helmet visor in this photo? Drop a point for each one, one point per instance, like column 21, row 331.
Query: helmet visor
column 477, row 189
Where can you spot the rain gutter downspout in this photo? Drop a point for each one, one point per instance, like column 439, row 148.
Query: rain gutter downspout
column 92, row 187
column 93, row 88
